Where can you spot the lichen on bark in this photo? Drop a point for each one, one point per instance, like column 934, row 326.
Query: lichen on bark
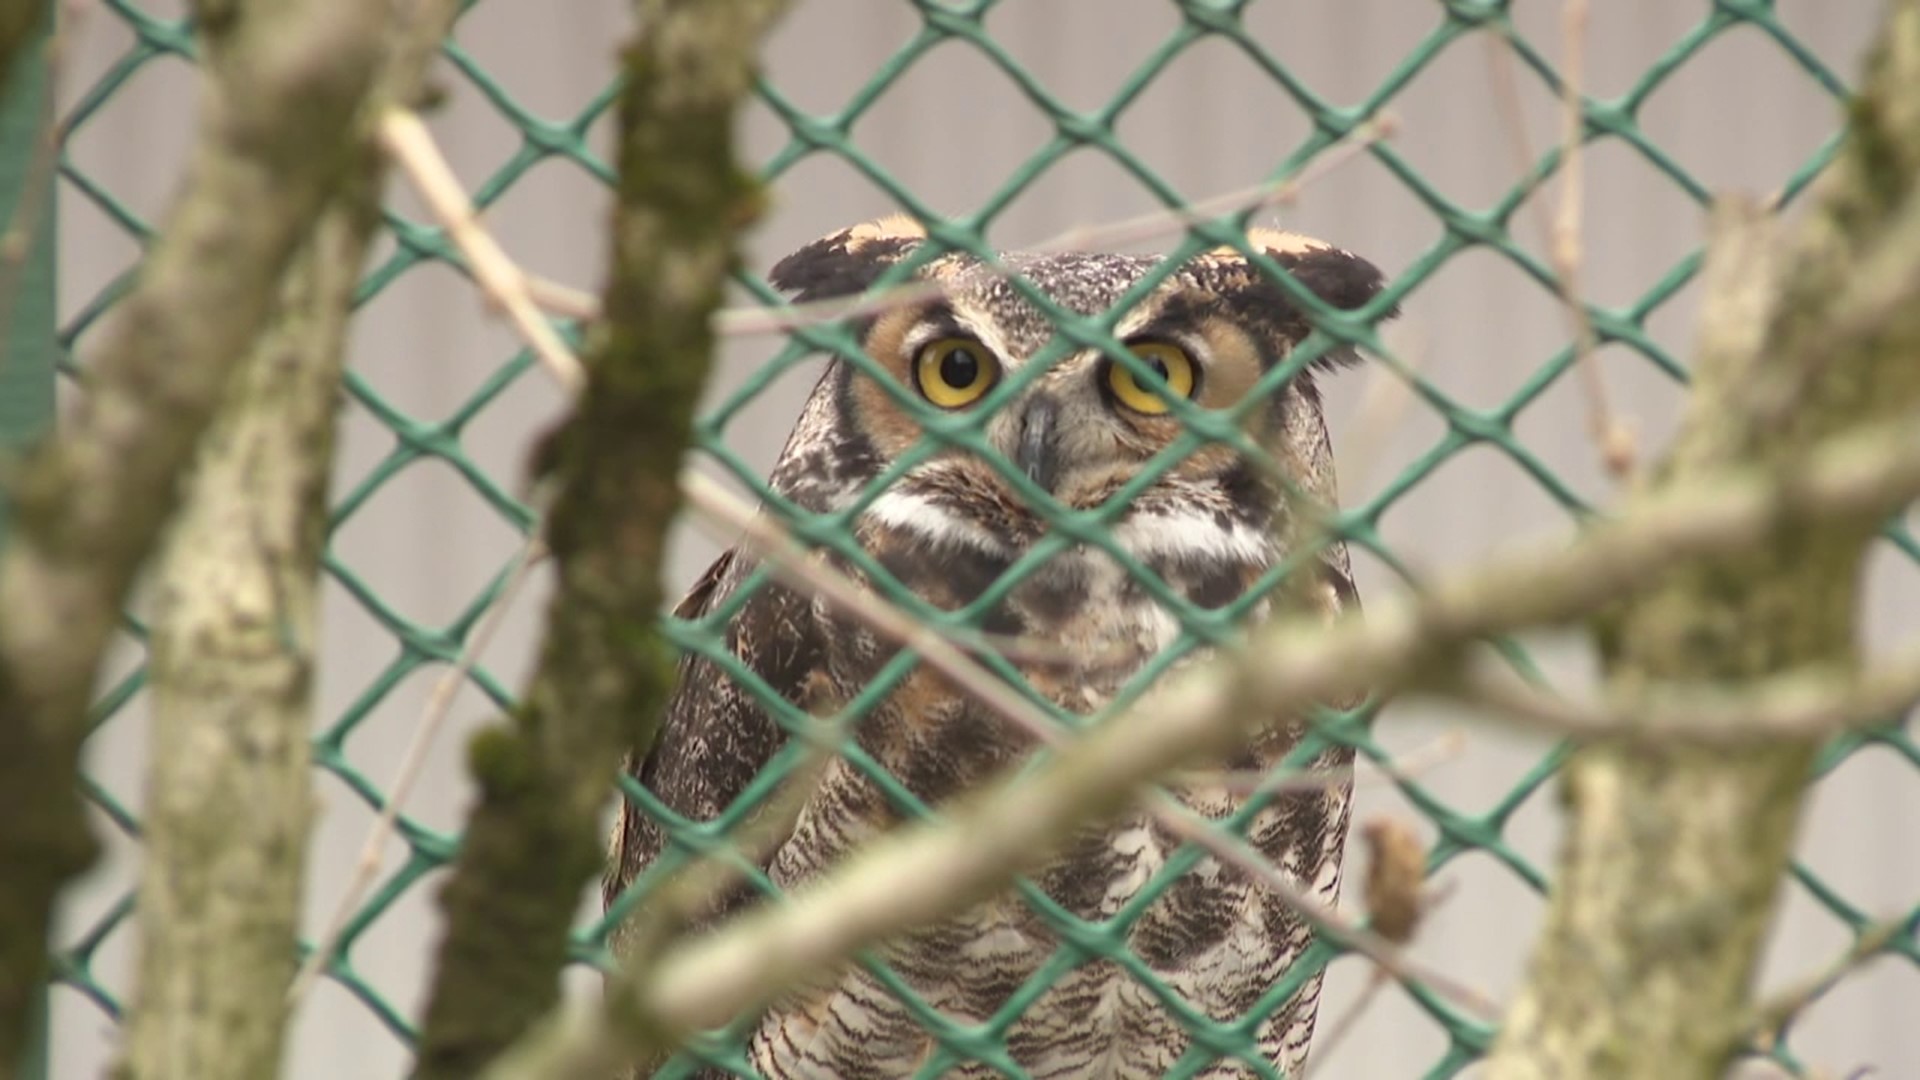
column 285, row 82
column 1675, row 853
column 532, row 843
column 233, row 627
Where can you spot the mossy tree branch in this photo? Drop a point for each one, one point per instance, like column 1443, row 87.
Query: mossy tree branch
column 284, row 83
column 1675, row 853
column 233, row 632
column 532, row 844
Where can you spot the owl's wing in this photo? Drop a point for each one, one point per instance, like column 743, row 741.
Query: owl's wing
column 715, row 736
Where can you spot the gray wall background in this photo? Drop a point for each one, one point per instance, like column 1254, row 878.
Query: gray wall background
column 1741, row 116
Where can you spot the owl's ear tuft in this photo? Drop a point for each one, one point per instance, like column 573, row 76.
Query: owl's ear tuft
column 1340, row 278
column 849, row 261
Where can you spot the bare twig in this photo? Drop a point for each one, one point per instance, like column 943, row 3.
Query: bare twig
column 1792, row 706
column 560, row 298
column 1385, row 951
column 1773, row 1015
column 746, row 322
column 372, row 857
column 1561, row 227
column 407, row 140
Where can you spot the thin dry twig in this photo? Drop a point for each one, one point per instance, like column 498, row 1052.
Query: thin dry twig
column 1793, row 706
column 1560, row 226
column 573, row 303
column 407, row 141
column 1330, row 922
column 412, row 762
column 1773, row 1015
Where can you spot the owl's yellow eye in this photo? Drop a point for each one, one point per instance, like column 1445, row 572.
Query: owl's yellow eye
column 955, row 371
column 1171, row 365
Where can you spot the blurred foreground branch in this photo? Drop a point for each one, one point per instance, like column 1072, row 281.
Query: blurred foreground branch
column 234, row 627
column 20, row 23
column 533, row 843
column 285, row 83
column 1675, row 853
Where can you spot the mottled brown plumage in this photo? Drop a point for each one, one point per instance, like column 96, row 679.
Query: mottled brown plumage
column 949, row 529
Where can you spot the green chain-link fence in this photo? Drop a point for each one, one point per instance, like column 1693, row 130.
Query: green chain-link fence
column 421, row 646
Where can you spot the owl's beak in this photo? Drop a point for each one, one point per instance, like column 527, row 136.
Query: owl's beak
column 1038, row 451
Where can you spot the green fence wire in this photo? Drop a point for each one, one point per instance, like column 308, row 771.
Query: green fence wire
column 423, row 646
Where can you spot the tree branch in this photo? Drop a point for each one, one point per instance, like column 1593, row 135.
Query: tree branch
column 233, row 623
column 1791, row 707
column 285, row 83
column 1675, row 852
column 532, row 843
column 500, row 279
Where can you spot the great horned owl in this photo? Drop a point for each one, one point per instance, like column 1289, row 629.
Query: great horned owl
column 948, row 529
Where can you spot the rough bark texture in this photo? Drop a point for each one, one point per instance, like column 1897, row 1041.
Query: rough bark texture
column 1675, row 854
column 533, row 843
column 286, row 80
column 233, row 627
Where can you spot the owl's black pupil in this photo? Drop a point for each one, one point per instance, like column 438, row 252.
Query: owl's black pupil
column 1159, row 369
column 959, row 369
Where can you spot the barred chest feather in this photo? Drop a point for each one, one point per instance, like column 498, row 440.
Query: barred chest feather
column 1214, row 939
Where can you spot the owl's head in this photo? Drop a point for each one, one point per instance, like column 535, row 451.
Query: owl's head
column 1086, row 425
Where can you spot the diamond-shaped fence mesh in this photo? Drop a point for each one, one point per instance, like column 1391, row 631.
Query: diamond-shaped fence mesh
column 1469, row 429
